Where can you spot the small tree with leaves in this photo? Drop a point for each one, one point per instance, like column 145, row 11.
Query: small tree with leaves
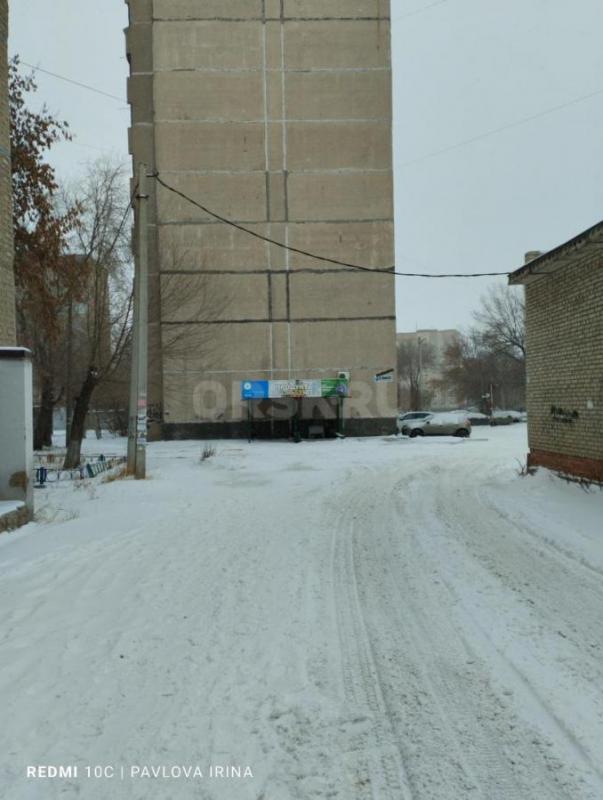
column 44, row 280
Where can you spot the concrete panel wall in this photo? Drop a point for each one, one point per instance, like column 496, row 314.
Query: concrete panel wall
column 343, row 344
column 213, row 352
column 369, row 244
column 208, row 9
column 339, row 95
column 208, row 397
column 358, row 196
column 345, row 9
column 240, row 197
column 207, row 45
column 210, row 146
column 338, row 146
column 212, row 247
column 349, row 294
column 276, row 115
column 234, row 97
column 207, row 298
column 340, row 44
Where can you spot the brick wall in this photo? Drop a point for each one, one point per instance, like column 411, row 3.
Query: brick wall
column 7, row 288
column 564, row 330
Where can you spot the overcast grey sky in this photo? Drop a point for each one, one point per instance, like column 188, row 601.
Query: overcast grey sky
column 461, row 68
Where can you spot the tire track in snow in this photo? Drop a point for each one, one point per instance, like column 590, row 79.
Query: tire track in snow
column 486, row 536
column 564, row 597
column 405, row 670
column 432, row 685
column 380, row 771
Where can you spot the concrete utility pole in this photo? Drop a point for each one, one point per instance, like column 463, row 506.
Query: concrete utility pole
column 137, row 420
column 68, row 392
column 419, row 398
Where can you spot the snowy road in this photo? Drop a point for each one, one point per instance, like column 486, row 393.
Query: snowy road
column 378, row 619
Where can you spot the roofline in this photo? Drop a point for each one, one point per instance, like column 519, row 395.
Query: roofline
column 547, row 259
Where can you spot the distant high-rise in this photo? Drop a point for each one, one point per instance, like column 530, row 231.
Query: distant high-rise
column 277, row 115
column 424, row 352
column 7, row 278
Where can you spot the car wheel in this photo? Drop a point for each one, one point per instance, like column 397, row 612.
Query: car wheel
column 416, row 432
column 463, row 433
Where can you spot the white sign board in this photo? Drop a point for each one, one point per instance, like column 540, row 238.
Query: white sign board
column 295, row 388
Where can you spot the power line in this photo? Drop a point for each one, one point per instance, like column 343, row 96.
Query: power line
column 326, row 259
column 502, row 128
column 419, row 159
column 75, row 83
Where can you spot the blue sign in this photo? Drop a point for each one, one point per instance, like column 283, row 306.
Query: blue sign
column 255, row 390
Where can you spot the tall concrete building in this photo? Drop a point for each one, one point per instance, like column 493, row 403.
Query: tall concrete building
column 276, row 114
column 7, row 278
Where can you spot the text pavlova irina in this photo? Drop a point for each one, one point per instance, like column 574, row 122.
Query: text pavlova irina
column 190, row 771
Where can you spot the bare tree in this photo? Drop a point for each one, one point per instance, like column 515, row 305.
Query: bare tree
column 501, row 321
column 190, row 306
column 491, row 355
column 413, row 358
column 102, row 245
column 193, row 304
column 473, row 367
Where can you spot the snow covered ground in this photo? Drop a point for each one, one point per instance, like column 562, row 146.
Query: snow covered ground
column 8, row 506
column 378, row 618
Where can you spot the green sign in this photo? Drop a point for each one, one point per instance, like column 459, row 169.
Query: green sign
column 335, row 387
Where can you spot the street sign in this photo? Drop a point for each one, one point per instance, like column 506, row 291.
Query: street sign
column 387, row 376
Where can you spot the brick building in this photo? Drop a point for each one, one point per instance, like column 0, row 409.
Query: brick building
column 277, row 115
column 564, row 341
column 7, row 278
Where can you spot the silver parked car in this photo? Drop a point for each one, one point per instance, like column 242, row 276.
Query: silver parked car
column 409, row 416
column 437, row 425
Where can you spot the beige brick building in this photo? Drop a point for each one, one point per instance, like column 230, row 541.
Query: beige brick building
column 275, row 114
column 564, row 342
column 7, row 279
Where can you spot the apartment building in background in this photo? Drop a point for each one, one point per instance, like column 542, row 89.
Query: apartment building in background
column 275, row 114
column 425, row 358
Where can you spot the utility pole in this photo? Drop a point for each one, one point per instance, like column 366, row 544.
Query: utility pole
column 68, row 397
column 133, row 399
column 137, row 416
column 419, row 398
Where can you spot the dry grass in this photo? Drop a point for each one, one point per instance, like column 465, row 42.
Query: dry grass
column 120, row 474
column 524, row 470
column 207, row 452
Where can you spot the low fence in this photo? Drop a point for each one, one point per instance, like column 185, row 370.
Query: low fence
column 46, row 474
